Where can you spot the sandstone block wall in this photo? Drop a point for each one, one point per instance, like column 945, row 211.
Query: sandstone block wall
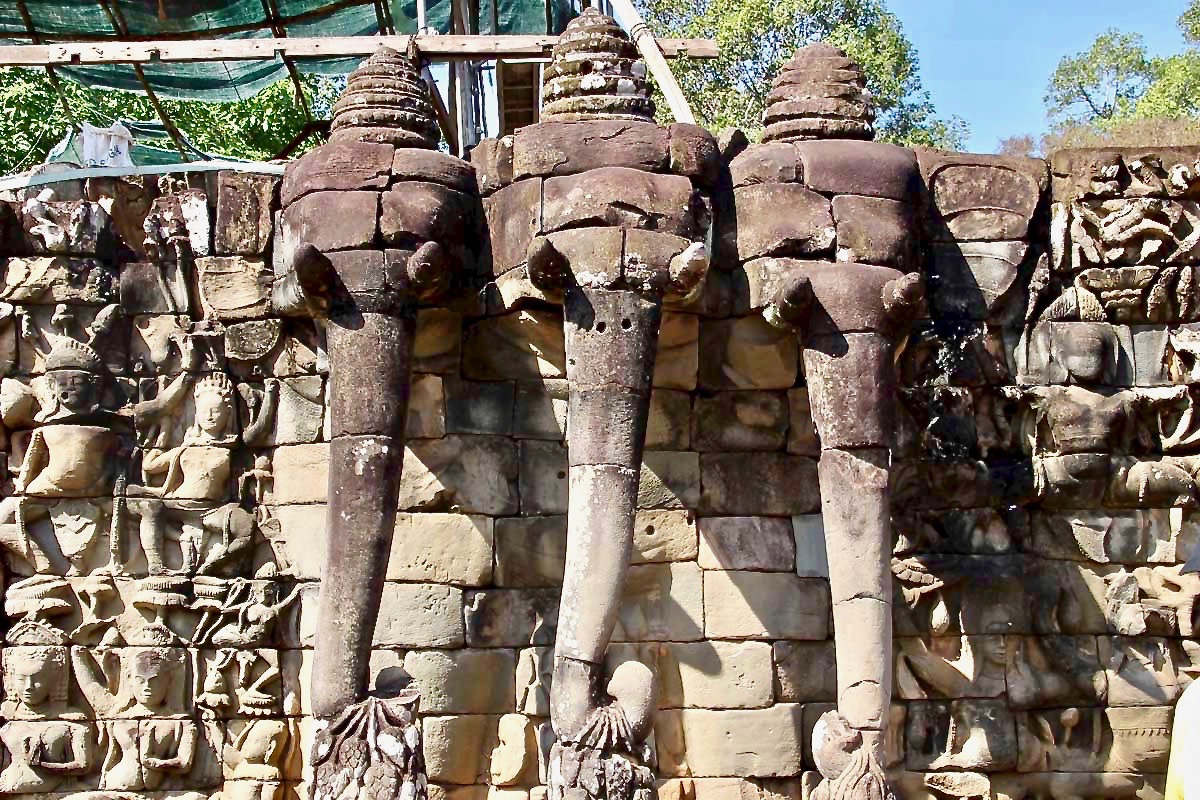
column 164, row 515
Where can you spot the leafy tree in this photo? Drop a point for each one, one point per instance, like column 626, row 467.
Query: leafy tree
column 1114, row 94
column 755, row 38
column 258, row 128
column 1102, row 83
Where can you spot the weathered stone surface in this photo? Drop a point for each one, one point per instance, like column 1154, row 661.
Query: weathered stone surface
column 566, row 148
column 526, row 345
column 873, row 230
column 416, row 212
column 967, row 734
column 1143, row 671
column 982, row 198
column 543, row 478
column 341, row 166
column 747, row 353
column 243, row 223
column 739, row 421
column 476, row 407
column 747, row 543
column 531, row 551
column 669, row 425
column 805, row 672
column 819, row 93
column 493, row 163
column 677, row 361
column 694, row 153
column 1141, row 739
column 540, row 410
column 442, row 548
column 471, row 474
column 301, row 473
column 969, row 279
column 419, row 615
column 332, row 220
column 869, row 169
column 438, row 341
column 851, row 389
column 664, row 536
column 621, row 196
column 426, row 408
column 773, row 484
column 369, row 373
column 754, row 605
column 802, row 438
column 514, row 217
column 463, row 681
column 716, row 675
column 772, row 737
column 812, row 561
column 234, row 288
column 661, row 603
column 669, row 480
column 412, row 164
column 776, row 162
column 457, row 748
column 511, row 617
column 806, row 230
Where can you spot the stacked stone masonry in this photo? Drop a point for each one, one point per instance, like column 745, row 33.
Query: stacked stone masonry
column 166, row 430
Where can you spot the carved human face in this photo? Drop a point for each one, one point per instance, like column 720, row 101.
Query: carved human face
column 32, row 675
column 151, row 678
column 75, row 389
column 1085, row 354
column 212, row 413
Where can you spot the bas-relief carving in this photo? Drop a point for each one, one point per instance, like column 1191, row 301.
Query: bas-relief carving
column 98, row 666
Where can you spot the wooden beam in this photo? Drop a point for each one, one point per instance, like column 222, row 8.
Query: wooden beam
column 437, row 48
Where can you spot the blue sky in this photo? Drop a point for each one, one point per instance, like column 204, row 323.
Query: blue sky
column 989, row 61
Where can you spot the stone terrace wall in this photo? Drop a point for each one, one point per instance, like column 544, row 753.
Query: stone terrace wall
column 1042, row 495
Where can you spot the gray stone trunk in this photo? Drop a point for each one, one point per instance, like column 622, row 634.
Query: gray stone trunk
column 850, row 380
column 370, row 363
column 611, row 340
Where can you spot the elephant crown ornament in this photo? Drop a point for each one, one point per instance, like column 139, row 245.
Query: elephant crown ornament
column 596, row 74
column 386, row 101
column 374, row 223
column 819, row 94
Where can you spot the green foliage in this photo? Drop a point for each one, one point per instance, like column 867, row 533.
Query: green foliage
column 33, row 119
column 1114, row 94
column 1176, row 91
column 1103, row 82
column 1189, row 22
column 756, row 36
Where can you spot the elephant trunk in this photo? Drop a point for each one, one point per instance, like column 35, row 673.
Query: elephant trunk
column 370, row 358
column 851, row 389
column 611, row 340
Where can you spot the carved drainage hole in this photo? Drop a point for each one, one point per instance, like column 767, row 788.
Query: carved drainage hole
column 601, row 327
column 626, row 324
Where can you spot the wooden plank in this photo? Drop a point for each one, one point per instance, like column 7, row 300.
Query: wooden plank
column 438, row 48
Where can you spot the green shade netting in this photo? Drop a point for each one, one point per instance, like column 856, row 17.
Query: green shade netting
column 76, row 20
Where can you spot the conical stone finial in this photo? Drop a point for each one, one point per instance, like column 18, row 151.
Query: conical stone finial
column 386, row 101
column 819, row 94
column 595, row 73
